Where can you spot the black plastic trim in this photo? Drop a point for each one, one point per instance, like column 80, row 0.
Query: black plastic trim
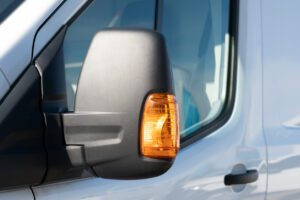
column 231, row 83
column 50, row 65
column 158, row 15
column 41, row 63
column 249, row 176
column 23, row 157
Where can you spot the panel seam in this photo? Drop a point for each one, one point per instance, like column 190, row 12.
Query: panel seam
column 262, row 99
column 32, row 193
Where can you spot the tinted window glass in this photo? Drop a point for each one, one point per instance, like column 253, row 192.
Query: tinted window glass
column 196, row 32
column 7, row 7
column 99, row 15
column 197, row 37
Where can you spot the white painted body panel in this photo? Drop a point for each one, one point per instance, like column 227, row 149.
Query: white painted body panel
column 199, row 170
column 17, row 194
column 17, row 34
column 281, row 63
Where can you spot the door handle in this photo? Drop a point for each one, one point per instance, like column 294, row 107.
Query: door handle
column 235, row 179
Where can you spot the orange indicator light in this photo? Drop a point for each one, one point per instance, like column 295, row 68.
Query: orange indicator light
column 159, row 137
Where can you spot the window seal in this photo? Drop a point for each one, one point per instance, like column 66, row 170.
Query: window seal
column 158, row 15
column 227, row 109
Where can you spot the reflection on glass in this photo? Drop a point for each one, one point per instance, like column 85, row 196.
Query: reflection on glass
column 196, row 33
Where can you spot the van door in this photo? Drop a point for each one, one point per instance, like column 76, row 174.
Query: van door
column 281, row 97
column 218, row 88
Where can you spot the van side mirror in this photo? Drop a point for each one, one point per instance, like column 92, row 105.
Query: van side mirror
column 125, row 122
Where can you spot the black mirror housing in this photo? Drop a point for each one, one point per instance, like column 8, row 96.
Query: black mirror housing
column 121, row 69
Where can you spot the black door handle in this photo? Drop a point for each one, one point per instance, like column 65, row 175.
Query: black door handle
column 236, row 179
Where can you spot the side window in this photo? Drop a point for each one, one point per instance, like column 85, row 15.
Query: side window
column 197, row 38
column 99, row 15
column 7, row 7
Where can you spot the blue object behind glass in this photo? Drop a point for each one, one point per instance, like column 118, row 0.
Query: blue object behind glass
column 194, row 29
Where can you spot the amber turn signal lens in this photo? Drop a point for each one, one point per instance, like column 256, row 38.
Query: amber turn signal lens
column 159, row 137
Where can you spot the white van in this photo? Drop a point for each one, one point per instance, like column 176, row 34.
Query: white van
column 91, row 91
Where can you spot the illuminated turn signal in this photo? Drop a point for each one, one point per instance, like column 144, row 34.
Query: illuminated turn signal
column 159, row 136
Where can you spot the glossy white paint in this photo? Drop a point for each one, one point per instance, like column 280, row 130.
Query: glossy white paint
column 266, row 106
column 67, row 10
column 17, row 194
column 199, row 170
column 281, row 63
column 17, row 33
